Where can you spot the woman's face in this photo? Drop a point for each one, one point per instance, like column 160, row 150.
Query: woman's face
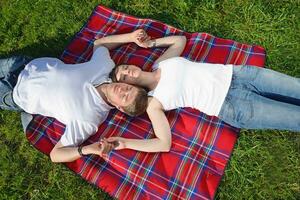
column 128, row 74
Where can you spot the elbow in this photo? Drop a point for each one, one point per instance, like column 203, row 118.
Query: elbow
column 181, row 43
column 53, row 157
column 96, row 43
column 167, row 147
column 166, row 150
column 182, row 40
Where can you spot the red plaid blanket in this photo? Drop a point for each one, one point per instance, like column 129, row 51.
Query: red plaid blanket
column 201, row 145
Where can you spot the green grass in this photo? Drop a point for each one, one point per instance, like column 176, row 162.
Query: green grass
column 264, row 164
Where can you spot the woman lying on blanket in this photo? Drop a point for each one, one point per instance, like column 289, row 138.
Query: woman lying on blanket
column 242, row 96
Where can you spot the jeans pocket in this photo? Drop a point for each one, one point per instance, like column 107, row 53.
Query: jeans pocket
column 244, row 113
column 227, row 113
column 245, row 73
column 237, row 113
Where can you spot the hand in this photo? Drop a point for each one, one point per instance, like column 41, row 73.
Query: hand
column 119, row 142
column 141, row 38
column 105, row 147
column 99, row 148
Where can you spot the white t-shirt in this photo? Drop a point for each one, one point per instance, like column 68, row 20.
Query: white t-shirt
column 66, row 92
column 184, row 83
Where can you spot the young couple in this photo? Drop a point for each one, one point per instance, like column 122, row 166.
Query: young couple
column 81, row 95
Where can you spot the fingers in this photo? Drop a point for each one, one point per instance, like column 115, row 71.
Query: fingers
column 143, row 38
column 148, row 38
column 141, row 32
column 114, row 141
column 111, row 139
column 107, row 145
column 107, row 148
column 142, row 35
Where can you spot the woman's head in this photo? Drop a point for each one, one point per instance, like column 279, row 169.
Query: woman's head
column 126, row 74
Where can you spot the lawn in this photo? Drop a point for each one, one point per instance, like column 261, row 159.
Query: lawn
column 264, row 164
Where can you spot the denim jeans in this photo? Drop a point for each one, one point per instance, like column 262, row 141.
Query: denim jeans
column 261, row 98
column 10, row 69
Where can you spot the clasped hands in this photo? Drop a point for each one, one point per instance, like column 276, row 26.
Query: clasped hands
column 103, row 147
column 142, row 39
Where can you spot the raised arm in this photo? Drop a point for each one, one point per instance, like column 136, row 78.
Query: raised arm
column 112, row 41
column 174, row 43
column 162, row 142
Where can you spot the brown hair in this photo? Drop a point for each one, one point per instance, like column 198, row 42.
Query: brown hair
column 139, row 105
column 112, row 74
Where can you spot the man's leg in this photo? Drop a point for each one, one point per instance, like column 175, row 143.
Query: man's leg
column 6, row 98
column 9, row 71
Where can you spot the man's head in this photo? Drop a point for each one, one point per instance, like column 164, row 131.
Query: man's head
column 129, row 99
column 126, row 74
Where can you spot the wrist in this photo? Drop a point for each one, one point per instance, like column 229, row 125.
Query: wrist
column 131, row 37
column 85, row 150
column 125, row 143
column 79, row 150
column 97, row 41
column 152, row 43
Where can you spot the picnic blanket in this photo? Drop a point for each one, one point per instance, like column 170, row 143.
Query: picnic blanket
column 201, row 145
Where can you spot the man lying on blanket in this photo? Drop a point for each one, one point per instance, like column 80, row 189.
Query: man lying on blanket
column 78, row 95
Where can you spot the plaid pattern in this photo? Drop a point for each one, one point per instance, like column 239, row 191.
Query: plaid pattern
column 201, row 145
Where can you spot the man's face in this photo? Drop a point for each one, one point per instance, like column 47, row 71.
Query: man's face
column 121, row 94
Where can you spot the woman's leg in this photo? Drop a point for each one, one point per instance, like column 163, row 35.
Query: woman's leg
column 245, row 109
column 269, row 83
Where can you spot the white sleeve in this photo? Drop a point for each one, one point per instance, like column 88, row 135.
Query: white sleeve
column 77, row 132
column 102, row 64
column 100, row 53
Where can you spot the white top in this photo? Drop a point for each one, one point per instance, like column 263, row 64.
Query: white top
column 184, row 83
column 66, row 92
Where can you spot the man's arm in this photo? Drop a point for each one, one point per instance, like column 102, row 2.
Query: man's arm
column 112, row 41
column 162, row 142
column 61, row 153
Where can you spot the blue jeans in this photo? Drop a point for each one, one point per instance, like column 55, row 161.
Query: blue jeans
column 261, row 98
column 10, row 69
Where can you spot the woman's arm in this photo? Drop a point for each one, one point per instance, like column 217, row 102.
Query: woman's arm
column 174, row 43
column 112, row 41
column 162, row 142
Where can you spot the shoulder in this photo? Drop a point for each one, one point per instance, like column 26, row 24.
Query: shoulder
column 42, row 64
column 154, row 105
column 45, row 60
column 101, row 50
column 101, row 54
column 101, row 57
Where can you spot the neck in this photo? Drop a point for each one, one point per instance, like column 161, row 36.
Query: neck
column 149, row 80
